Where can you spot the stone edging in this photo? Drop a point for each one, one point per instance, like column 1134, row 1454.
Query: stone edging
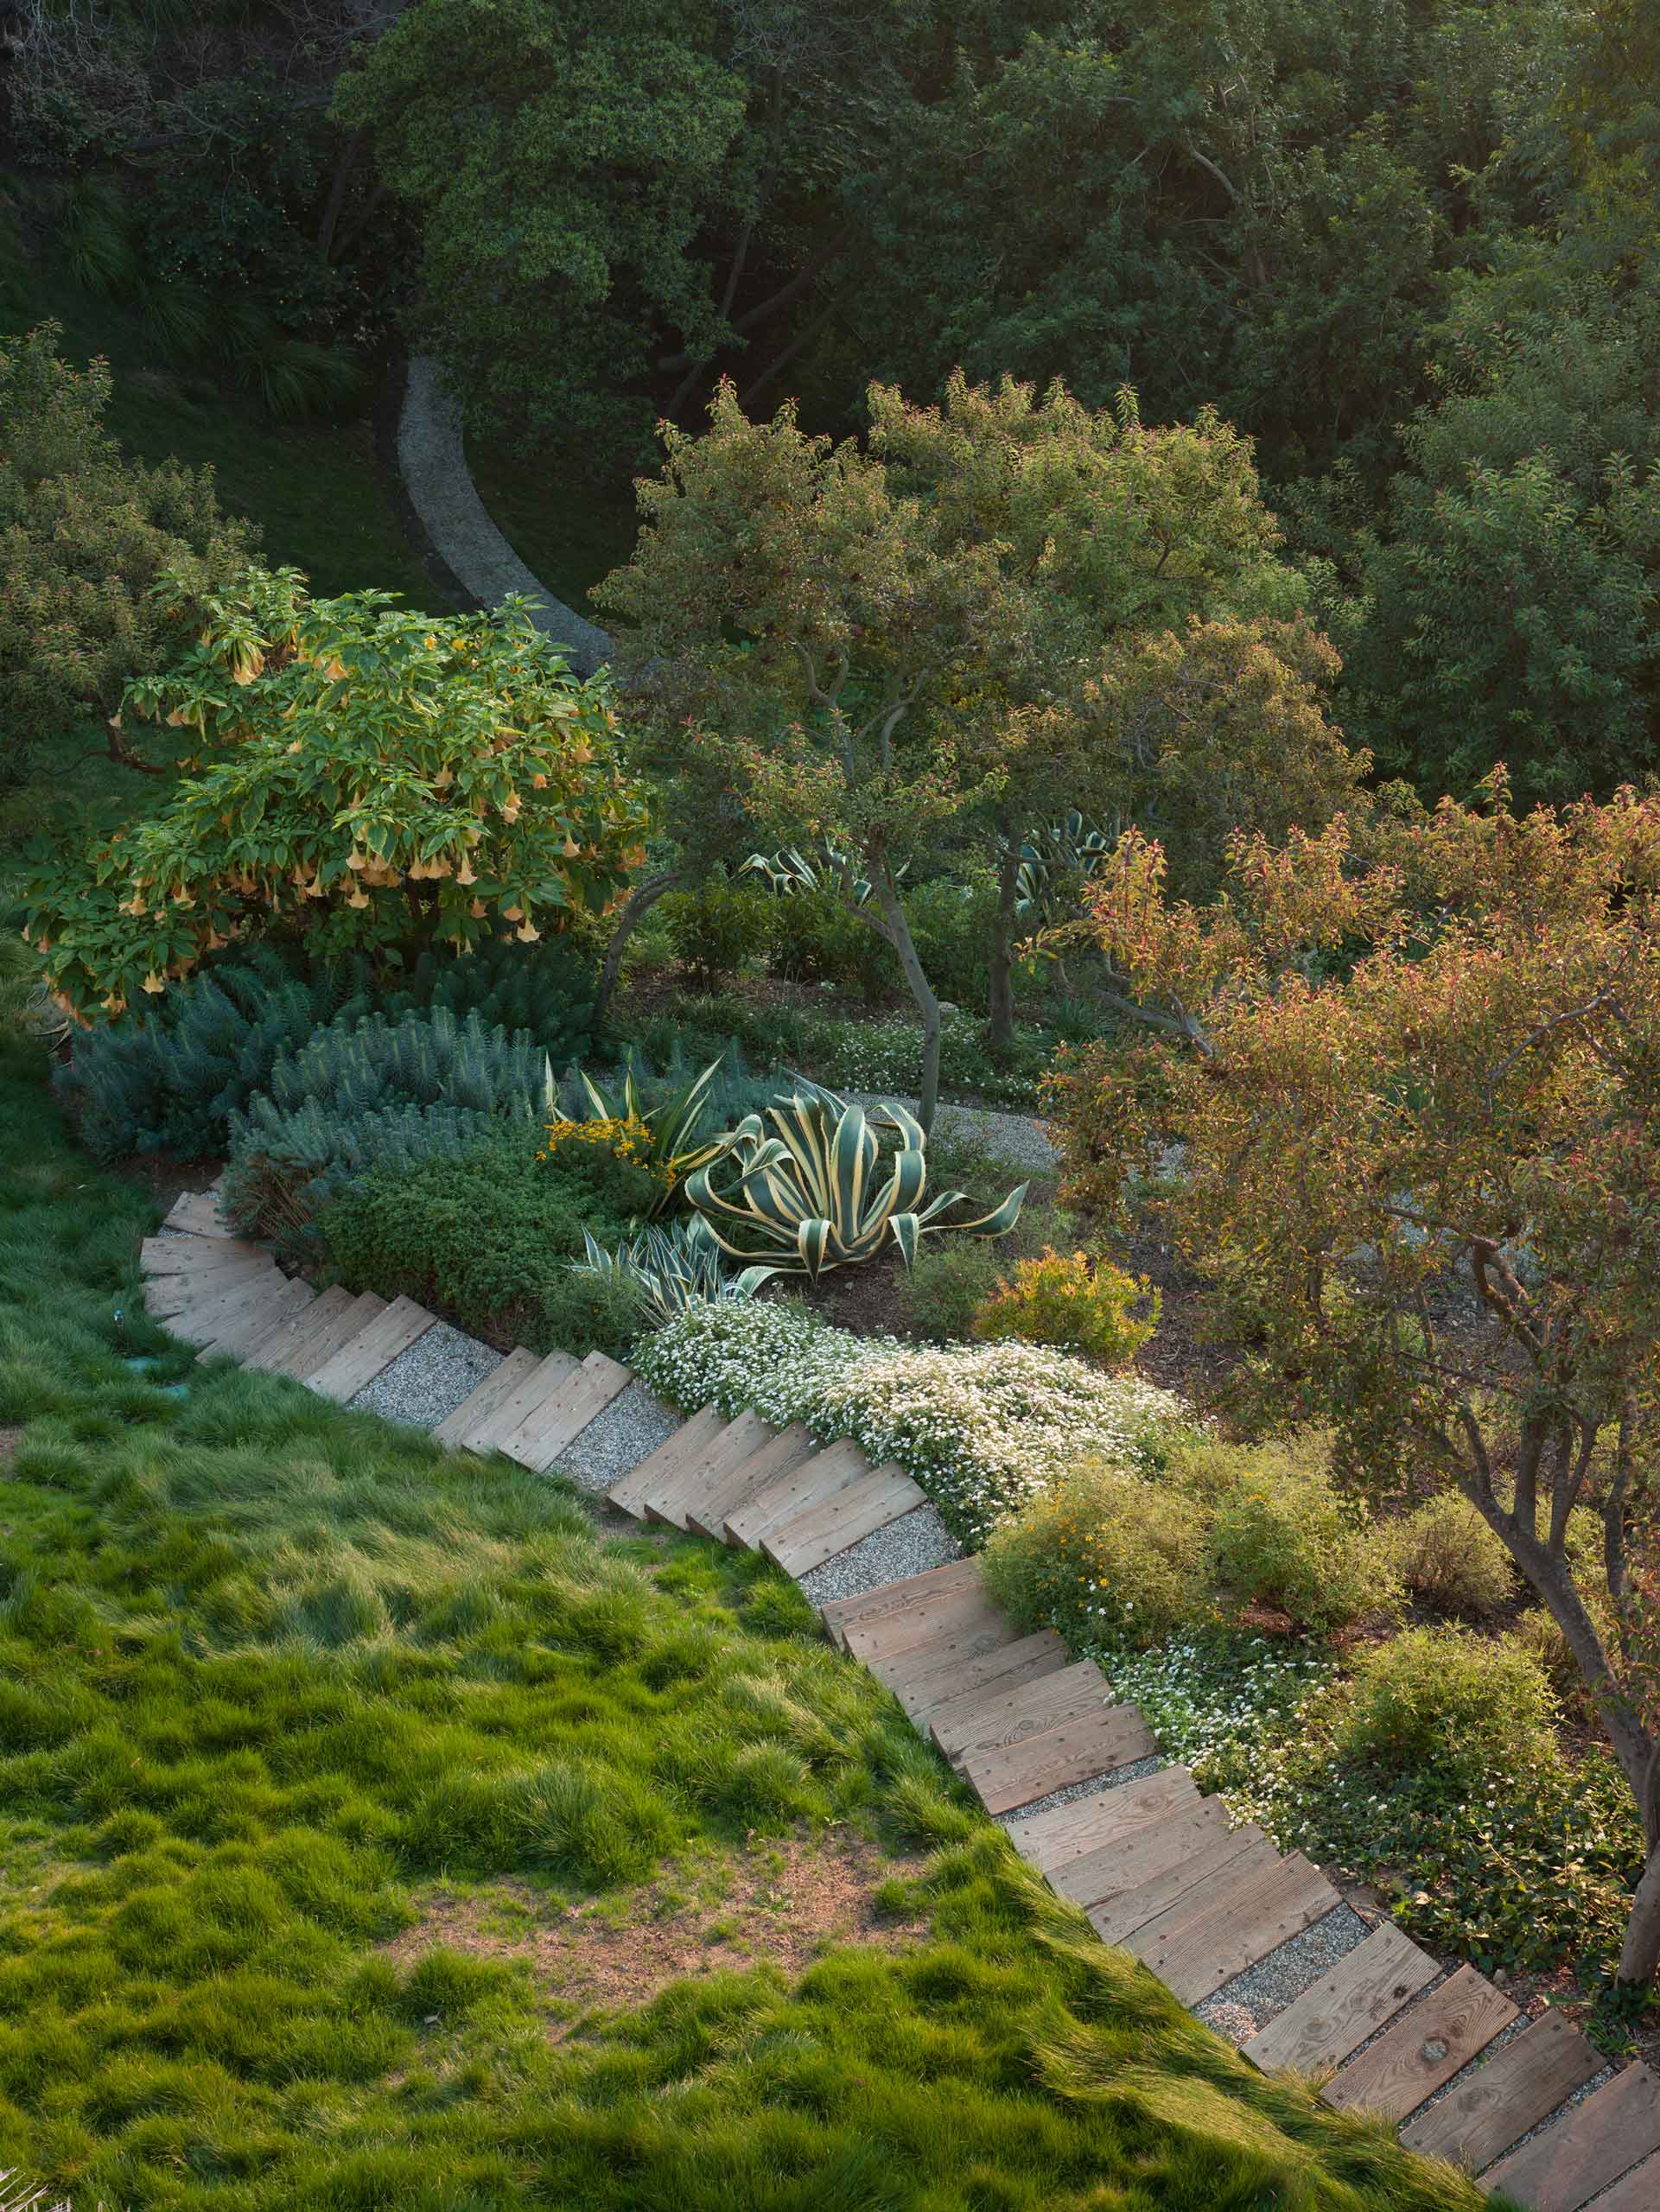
column 432, row 460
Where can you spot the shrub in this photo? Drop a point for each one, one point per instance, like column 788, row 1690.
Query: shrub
column 1063, row 1298
column 172, row 1080
column 981, row 1427
column 372, row 778
column 487, row 1235
column 1283, row 1537
column 368, row 1091
column 816, row 940
column 1102, row 1558
column 1446, row 1554
column 716, row 929
column 938, row 1295
column 84, row 534
column 1443, row 1703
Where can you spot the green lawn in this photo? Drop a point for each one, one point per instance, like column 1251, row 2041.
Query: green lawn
column 315, row 489
column 569, row 532
column 276, row 1681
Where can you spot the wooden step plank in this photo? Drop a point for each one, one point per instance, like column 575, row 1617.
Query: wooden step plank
column 1638, row 2192
column 949, row 1653
column 628, row 1492
column 925, row 1684
column 1330, row 2020
column 1094, row 1877
column 870, row 1605
column 1616, row 2128
column 1049, row 1840
column 825, row 1531
column 1076, row 1751
column 967, row 1612
column 197, row 1214
column 733, row 1443
column 719, row 1495
column 535, row 1387
column 485, row 1399
column 1512, row 2092
column 173, row 1293
column 283, row 1305
column 554, row 1428
column 1424, row 2048
column 369, row 1353
column 295, row 1329
column 1229, row 1853
column 980, row 1720
column 307, row 1355
column 828, row 1469
column 173, row 1254
column 1218, row 1932
column 201, row 1322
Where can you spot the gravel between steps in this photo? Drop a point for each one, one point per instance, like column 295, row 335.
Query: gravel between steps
column 629, row 1430
column 426, row 1384
column 1137, row 1771
column 916, row 1541
column 1251, row 1999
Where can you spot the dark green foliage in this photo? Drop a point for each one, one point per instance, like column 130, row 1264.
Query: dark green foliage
column 368, row 1090
column 816, row 940
column 716, row 929
column 487, row 1234
column 172, row 1080
column 939, row 1293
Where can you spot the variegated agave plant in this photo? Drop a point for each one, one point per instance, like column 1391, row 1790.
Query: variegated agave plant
column 669, row 1271
column 821, row 1192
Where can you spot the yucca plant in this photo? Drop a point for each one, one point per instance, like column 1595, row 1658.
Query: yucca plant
column 671, row 1125
column 820, row 1193
column 672, row 1270
column 790, row 870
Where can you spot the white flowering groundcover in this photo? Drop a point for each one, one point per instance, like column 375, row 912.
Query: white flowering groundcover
column 981, row 1428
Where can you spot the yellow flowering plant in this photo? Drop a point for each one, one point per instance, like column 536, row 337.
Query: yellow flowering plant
column 1066, row 1299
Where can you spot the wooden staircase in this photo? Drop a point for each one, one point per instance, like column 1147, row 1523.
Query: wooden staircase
column 1157, row 1866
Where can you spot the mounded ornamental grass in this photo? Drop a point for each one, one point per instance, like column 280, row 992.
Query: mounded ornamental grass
column 267, row 1668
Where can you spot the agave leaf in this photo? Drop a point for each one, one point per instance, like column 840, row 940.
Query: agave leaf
column 906, row 1229
column 1000, row 1220
column 596, row 1098
column 812, row 1242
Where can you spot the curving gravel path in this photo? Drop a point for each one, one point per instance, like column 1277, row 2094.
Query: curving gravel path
column 432, row 460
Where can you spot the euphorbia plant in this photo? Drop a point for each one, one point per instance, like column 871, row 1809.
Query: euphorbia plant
column 369, row 776
column 1414, row 1072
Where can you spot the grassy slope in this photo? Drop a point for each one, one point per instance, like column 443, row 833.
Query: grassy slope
column 267, row 1668
column 568, row 533
column 315, row 489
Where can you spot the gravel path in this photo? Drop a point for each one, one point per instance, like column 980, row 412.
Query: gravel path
column 1136, row 1771
column 1018, row 1138
column 1251, row 1999
column 629, row 1431
column 426, row 1384
column 910, row 1545
column 432, row 460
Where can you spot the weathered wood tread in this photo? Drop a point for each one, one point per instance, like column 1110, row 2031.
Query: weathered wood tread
column 535, row 1386
column 289, row 1299
column 982, row 1720
column 197, row 1214
column 826, row 1469
column 1422, row 2050
column 1050, row 1839
column 486, row 1398
column 554, row 1426
column 370, row 1352
column 1094, row 1877
column 925, row 1683
column 724, row 1493
column 733, row 1443
column 1639, row 2191
column 1233, row 1922
column 628, row 1494
column 176, row 1252
column 1077, row 1751
column 286, row 1335
column 869, row 1605
column 1225, row 1851
column 1514, row 2090
column 800, row 1545
column 965, row 1613
column 1617, row 2127
column 201, row 1320
column 1330, row 2020
column 303, row 1361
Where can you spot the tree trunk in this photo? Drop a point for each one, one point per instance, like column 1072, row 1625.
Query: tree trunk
column 346, row 162
column 897, row 930
column 636, row 907
column 1639, row 1955
column 999, row 998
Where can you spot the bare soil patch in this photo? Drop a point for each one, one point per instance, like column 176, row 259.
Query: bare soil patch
column 785, row 1902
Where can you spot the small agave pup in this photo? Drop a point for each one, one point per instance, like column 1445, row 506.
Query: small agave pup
column 813, row 1196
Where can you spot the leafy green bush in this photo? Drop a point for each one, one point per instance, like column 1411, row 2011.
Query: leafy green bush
column 938, row 1295
column 172, row 1079
column 1444, row 1703
column 488, row 1236
column 1446, row 1554
column 715, row 930
column 816, row 940
column 1283, row 1537
column 1102, row 1558
column 1064, row 1299
column 366, row 1090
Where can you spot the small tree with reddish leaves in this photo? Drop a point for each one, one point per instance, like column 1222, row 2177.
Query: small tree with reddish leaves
column 1413, row 1070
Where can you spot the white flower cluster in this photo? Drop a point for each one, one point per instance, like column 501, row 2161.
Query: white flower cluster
column 981, row 1427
